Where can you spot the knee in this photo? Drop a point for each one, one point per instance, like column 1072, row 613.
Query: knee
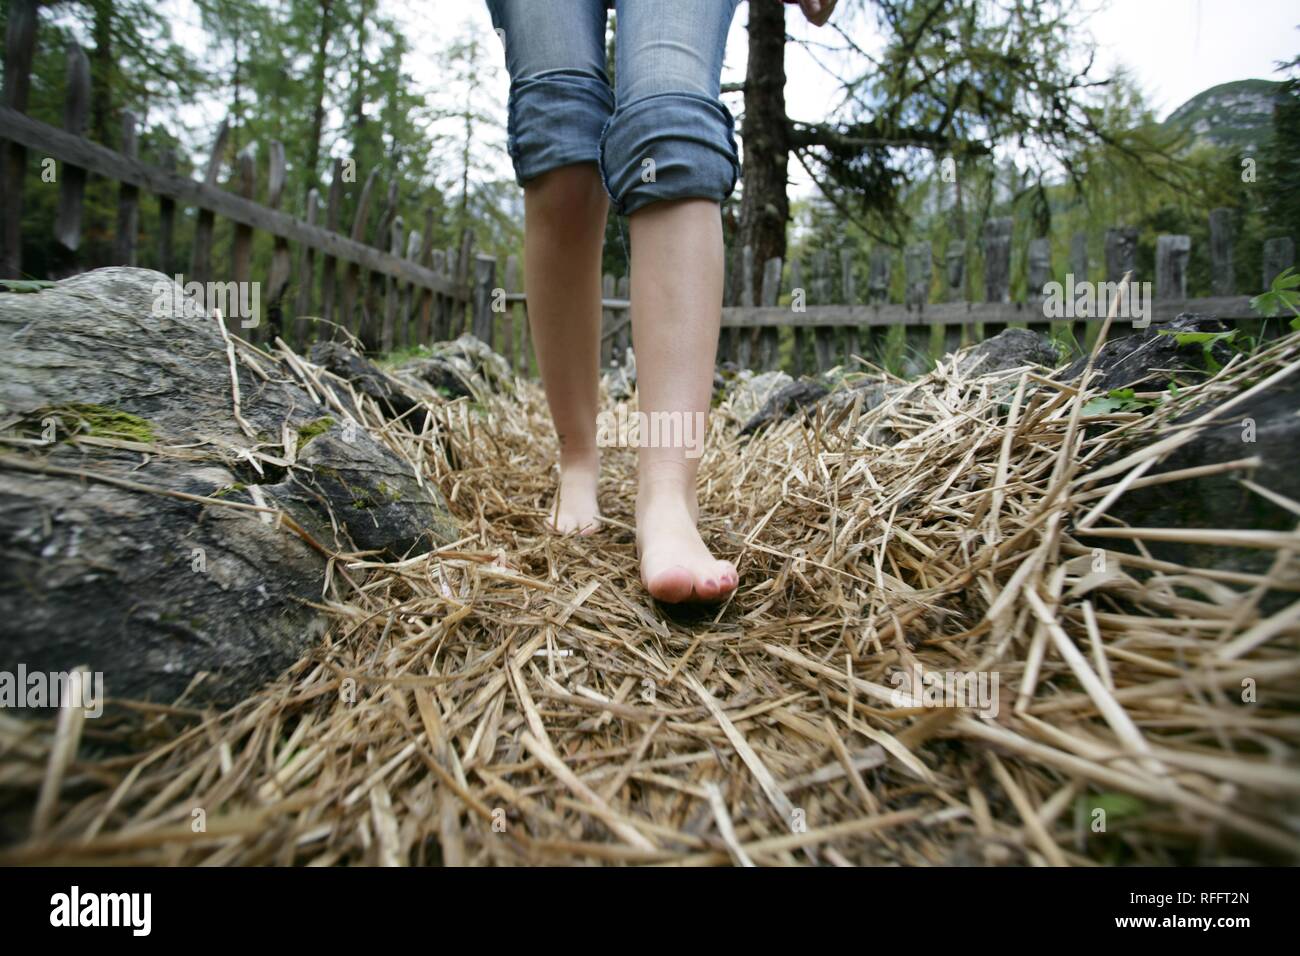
column 570, row 197
column 669, row 146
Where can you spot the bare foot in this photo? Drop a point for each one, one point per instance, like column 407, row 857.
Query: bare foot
column 575, row 508
column 675, row 564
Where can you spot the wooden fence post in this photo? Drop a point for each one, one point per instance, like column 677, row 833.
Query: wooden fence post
column 462, row 319
column 407, row 332
column 623, row 338
column 201, row 253
column 880, row 269
column 1172, row 253
column 607, row 319
column 485, row 271
column 166, row 220
column 800, row 333
column 72, row 185
column 918, row 270
column 997, row 268
column 392, row 292
column 1121, row 253
column 1222, row 236
column 822, row 336
column 441, row 303
column 306, row 278
column 854, row 335
column 769, row 337
column 744, row 355
column 512, row 313
column 277, row 280
column 20, row 43
column 1039, row 273
column 329, row 264
column 241, row 251
column 1278, row 256
column 954, row 337
column 377, row 284
column 352, row 275
column 424, row 308
column 128, row 199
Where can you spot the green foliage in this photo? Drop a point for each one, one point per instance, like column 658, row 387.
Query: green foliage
column 1281, row 297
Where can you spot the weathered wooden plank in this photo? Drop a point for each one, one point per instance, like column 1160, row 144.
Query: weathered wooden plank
column 72, row 179
column 1121, row 253
column 607, row 319
column 441, row 302
column 623, row 337
column 511, row 284
column 462, row 315
column 485, row 271
column 423, row 329
column 392, row 293
column 277, row 280
column 111, row 165
column 350, row 319
column 743, row 355
column 954, row 291
column 241, row 254
column 1039, row 273
column 799, row 300
column 166, row 220
column 823, row 337
column 854, row 336
column 128, row 200
column 20, row 44
column 329, row 265
column 406, row 333
column 1223, row 280
column 1278, row 256
column 306, row 277
column 768, row 339
column 1172, row 255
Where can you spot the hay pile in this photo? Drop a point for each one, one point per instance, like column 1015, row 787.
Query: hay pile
column 515, row 698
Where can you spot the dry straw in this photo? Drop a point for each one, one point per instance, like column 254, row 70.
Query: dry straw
column 515, row 698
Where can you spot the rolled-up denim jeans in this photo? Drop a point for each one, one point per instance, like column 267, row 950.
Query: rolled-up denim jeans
column 661, row 133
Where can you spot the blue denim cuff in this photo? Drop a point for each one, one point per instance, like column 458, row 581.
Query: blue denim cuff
column 555, row 119
column 669, row 146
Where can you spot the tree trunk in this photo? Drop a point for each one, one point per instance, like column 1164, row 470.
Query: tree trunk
column 764, row 206
column 318, row 91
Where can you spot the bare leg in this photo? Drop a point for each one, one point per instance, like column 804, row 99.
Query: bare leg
column 564, row 229
column 676, row 302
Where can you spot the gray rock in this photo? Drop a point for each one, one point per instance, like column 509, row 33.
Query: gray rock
column 786, row 401
column 749, row 392
column 1221, row 501
column 1010, row 348
column 482, row 369
column 150, row 590
column 368, row 379
column 1129, row 360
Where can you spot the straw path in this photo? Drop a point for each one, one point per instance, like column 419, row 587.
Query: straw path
column 515, row 699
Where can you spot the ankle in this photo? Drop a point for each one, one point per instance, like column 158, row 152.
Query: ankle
column 579, row 459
